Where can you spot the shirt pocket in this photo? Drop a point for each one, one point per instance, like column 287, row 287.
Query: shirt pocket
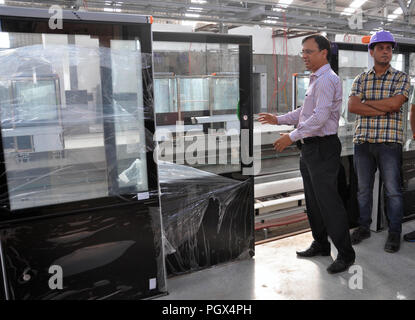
column 309, row 101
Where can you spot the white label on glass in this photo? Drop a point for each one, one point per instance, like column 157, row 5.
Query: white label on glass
column 153, row 283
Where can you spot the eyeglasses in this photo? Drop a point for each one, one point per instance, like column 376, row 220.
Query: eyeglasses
column 307, row 52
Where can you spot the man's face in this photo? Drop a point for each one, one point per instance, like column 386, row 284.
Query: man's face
column 382, row 53
column 312, row 56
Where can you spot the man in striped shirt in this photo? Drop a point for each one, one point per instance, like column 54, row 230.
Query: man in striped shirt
column 377, row 97
column 317, row 123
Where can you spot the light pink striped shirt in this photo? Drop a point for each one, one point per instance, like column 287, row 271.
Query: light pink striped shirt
column 320, row 113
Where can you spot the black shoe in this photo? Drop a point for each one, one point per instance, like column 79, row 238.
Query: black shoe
column 410, row 237
column 359, row 235
column 339, row 265
column 315, row 250
column 393, row 243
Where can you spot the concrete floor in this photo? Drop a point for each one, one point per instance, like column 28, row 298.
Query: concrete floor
column 276, row 273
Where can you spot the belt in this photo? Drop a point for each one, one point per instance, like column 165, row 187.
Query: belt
column 313, row 139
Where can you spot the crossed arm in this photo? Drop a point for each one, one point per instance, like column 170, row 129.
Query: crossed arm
column 375, row 107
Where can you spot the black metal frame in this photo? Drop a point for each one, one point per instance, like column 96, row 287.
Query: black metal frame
column 241, row 209
column 245, row 77
column 121, row 221
column 102, row 30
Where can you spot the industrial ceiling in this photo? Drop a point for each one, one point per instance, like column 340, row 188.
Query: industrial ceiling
column 296, row 17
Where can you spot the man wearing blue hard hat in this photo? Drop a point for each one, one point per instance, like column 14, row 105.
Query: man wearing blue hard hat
column 377, row 97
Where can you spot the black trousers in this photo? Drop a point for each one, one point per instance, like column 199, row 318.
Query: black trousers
column 319, row 166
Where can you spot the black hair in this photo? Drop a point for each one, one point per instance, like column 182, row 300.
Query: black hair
column 372, row 46
column 322, row 42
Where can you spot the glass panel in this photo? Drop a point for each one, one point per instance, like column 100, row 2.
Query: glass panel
column 202, row 92
column 225, row 93
column 165, row 95
column 302, row 85
column 57, row 126
column 410, row 143
column 194, row 94
column 398, row 62
column 37, row 97
column 128, row 115
column 351, row 64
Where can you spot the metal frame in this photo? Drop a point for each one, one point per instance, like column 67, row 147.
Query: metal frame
column 245, row 74
column 299, row 15
column 138, row 218
column 182, row 115
column 89, row 24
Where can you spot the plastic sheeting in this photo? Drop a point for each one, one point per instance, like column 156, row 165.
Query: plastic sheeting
column 77, row 123
column 79, row 205
column 207, row 219
column 67, row 145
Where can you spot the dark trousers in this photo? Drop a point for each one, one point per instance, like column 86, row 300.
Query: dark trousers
column 388, row 158
column 319, row 165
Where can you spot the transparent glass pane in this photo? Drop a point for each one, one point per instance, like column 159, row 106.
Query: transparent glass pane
column 225, row 93
column 198, row 84
column 302, row 85
column 56, row 146
column 410, row 143
column 351, row 64
column 194, row 94
column 165, row 95
column 37, row 97
column 128, row 115
column 398, row 62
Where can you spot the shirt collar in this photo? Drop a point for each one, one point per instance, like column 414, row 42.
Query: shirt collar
column 320, row 71
column 389, row 70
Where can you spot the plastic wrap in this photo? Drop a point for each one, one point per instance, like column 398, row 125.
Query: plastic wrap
column 207, row 218
column 79, row 188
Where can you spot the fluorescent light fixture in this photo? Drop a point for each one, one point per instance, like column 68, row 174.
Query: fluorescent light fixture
column 112, row 10
column 272, row 17
column 269, row 21
column 357, row 3
column 285, row 3
column 348, row 11
column 192, row 15
column 198, row 1
column 398, row 11
column 195, row 9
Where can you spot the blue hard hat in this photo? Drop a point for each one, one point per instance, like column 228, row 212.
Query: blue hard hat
column 381, row 36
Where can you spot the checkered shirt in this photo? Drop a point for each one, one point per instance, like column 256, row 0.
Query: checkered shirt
column 368, row 86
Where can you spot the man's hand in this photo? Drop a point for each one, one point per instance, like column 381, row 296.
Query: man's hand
column 265, row 118
column 282, row 142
